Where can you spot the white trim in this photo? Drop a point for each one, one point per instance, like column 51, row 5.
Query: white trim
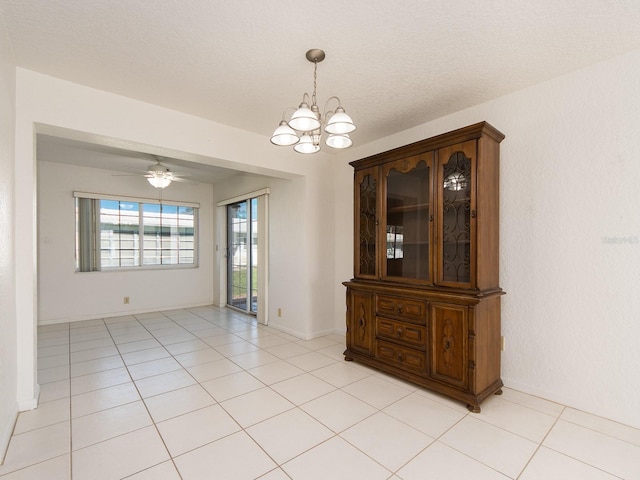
column 5, row 435
column 262, row 195
column 246, row 196
column 263, row 253
column 30, row 403
column 178, row 306
column 104, row 196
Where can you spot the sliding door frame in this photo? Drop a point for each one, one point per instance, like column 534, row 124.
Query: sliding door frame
column 263, row 249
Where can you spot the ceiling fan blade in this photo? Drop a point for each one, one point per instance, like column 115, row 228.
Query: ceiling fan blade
column 185, row 180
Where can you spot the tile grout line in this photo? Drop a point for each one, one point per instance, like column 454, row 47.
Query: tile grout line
column 198, row 383
column 287, row 360
column 244, row 430
column 70, row 410
column 155, row 426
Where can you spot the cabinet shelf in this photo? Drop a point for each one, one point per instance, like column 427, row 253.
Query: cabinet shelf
column 409, row 208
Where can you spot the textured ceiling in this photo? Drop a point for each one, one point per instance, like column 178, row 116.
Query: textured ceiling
column 394, row 64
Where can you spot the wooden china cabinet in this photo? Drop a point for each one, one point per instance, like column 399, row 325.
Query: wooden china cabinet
column 424, row 303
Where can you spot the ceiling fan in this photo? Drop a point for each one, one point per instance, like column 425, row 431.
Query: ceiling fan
column 160, row 176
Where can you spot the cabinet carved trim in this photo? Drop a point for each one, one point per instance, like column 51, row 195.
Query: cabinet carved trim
column 448, row 344
column 424, row 303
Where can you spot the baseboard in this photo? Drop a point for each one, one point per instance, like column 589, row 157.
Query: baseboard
column 81, row 318
column 321, row 333
column 571, row 402
column 288, row 331
column 5, row 435
column 30, row 403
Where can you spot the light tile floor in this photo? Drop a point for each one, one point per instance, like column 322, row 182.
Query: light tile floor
column 207, row 393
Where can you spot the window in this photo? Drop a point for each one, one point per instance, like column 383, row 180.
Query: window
column 117, row 232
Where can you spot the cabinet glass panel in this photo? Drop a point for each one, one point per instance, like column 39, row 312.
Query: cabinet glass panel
column 456, row 219
column 407, row 223
column 367, row 223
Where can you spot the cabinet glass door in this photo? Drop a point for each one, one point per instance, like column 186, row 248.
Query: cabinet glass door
column 456, row 215
column 408, row 219
column 366, row 221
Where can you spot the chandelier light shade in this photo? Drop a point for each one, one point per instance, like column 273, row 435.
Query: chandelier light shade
column 304, row 120
column 339, row 140
column 284, row 135
column 307, row 124
column 340, row 123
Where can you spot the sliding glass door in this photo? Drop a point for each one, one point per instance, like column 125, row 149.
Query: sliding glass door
column 242, row 255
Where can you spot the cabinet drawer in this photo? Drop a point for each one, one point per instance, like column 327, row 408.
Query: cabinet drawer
column 402, row 332
column 406, row 309
column 406, row 358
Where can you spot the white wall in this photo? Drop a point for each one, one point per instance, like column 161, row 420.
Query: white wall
column 570, row 234
column 569, row 228
column 8, row 351
column 64, row 295
column 48, row 105
column 300, row 247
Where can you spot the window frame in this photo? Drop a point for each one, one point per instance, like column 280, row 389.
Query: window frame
column 96, row 240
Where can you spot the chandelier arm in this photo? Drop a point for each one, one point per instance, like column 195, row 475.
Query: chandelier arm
column 328, row 113
column 284, row 112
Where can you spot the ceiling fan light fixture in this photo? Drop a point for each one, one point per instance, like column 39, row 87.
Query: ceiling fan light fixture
column 160, row 181
column 307, row 123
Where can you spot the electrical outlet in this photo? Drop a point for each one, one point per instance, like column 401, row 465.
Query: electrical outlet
column 126, row 300
column 502, row 343
column 279, row 312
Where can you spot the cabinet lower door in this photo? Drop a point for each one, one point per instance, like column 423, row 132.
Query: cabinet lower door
column 360, row 322
column 449, row 337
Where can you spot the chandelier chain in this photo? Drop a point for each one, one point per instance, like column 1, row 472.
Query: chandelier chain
column 315, row 78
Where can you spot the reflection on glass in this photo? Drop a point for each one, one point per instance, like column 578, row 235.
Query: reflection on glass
column 455, row 181
column 394, row 241
column 407, row 222
column 456, row 219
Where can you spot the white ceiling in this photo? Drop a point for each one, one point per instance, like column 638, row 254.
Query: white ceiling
column 394, row 64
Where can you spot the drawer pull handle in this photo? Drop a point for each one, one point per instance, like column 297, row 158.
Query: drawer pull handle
column 400, row 357
column 400, row 307
column 399, row 332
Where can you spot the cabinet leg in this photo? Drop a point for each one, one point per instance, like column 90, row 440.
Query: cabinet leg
column 473, row 408
column 347, row 357
column 499, row 392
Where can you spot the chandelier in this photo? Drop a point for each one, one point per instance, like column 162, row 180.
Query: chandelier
column 306, row 125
